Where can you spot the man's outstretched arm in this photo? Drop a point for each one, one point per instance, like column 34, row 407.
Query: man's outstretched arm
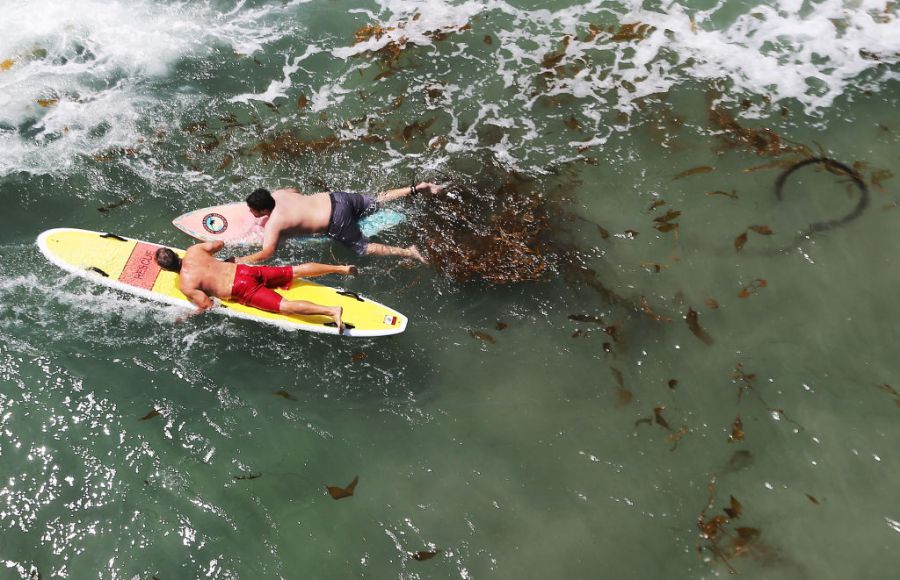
column 270, row 244
column 424, row 187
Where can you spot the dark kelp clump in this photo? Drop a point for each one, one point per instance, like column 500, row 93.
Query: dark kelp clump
column 497, row 233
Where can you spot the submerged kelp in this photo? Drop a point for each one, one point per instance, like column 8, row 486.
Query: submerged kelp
column 496, row 232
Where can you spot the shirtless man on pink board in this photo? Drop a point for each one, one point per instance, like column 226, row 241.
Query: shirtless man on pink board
column 334, row 213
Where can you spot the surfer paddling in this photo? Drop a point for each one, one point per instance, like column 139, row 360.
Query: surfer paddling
column 201, row 276
column 334, row 213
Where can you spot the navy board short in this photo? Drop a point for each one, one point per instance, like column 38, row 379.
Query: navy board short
column 346, row 211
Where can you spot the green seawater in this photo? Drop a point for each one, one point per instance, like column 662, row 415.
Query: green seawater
column 579, row 425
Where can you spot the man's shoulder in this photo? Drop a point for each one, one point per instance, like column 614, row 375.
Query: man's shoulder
column 286, row 192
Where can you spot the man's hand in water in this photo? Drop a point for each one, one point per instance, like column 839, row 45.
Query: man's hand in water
column 351, row 271
column 430, row 188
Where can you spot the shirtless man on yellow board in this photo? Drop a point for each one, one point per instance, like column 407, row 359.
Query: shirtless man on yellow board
column 335, row 213
column 201, row 276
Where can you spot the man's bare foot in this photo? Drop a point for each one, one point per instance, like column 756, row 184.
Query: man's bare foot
column 415, row 253
column 336, row 314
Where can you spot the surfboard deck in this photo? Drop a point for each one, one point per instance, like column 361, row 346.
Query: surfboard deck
column 129, row 265
column 233, row 224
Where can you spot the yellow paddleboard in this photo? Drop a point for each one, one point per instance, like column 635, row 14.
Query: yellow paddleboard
column 129, row 265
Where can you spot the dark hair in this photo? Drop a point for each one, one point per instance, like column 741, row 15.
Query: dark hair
column 261, row 200
column 168, row 260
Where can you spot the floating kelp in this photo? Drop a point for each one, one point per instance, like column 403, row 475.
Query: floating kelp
column 694, row 324
column 111, row 206
column 664, row 222
column 482, row 336
column 423, row 555
column 654, row 267
column 289, row 145
column 285, row 395
column 623, row 395
column 358, row 356
column 552, row 59
column 890, row 390
column 645, row 308
column 247, row 477
column 694, row 171
column 656, row 204
column 766, row 166
column 880, row 175
column 741, row 240
column 752, row 288
column 115, row 153
column 632, row 31
column 737, row 430
column 744, row 380
column 152, row 414
column 342, row 492
column 675, row 436
column 415, row 129
column 501, row 325
column 226, row 162
column 587, row 318
column 732, row 194
column 659, row 419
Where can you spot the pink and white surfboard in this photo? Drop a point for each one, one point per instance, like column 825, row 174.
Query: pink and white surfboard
column 235, row 225
column 232, row 223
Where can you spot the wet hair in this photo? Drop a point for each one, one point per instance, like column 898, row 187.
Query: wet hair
column 168, row 260
column 261, row 200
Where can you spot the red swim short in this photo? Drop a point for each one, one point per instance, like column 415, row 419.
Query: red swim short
column 253, row 285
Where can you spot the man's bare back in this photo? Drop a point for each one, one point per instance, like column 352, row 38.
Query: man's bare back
column 201, row 273
column 297, row 214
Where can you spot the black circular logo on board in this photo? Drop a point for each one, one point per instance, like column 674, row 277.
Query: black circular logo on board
column 215, row 223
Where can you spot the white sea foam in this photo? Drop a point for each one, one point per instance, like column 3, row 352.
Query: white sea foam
column 78, row 77
column 87, row 75
column 809, row 52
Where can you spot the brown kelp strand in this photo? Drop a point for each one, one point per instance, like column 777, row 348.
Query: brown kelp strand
column 691, row 317
column 285, row 395
column 111, row 206
column 152, row 414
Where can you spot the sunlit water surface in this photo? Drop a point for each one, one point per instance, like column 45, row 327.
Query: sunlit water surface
column 692, row 385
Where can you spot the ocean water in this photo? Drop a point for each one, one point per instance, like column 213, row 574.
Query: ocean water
column 630, row 358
